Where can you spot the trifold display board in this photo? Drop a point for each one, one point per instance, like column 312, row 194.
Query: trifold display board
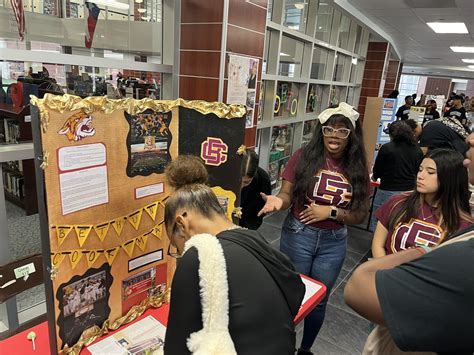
column 102, row 192
column 379, row 113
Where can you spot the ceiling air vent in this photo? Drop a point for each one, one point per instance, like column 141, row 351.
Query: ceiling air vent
column 431, row 4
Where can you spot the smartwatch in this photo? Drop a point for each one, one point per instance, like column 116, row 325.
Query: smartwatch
column 333, row 214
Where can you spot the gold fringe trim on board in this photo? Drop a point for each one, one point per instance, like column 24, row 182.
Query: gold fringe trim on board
column 62, row 103
column 90, row 335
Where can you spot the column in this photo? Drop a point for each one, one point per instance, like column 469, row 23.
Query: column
column 210, row 31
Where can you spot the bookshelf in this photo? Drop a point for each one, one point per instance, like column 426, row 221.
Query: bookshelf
column 18, row 175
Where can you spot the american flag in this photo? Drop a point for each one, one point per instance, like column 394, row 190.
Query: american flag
column 17, row 6
column 91, row 22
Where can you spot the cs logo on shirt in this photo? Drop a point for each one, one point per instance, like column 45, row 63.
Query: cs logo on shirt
column 416, row 232
column 332, row 188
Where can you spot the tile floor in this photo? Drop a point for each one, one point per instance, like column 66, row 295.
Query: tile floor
column 343, row 332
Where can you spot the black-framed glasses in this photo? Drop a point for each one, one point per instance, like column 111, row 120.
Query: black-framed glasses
column 173, row 254
column 341, row 133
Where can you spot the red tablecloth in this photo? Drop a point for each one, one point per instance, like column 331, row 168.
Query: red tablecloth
column 20, row 345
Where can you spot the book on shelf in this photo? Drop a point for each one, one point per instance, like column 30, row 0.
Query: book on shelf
column 14, row 184
column 11, row 131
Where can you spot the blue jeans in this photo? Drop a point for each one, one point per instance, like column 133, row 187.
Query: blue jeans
column 319, row 254
column 380, row 198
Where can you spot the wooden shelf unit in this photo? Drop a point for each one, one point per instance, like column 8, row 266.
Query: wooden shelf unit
column 30, row 201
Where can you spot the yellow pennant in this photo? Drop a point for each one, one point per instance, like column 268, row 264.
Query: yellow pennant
column 62, row 232
column 156, row 231
column 57, row 259
column 110, row 254
column 151, row 210
column 135, row 218
column 118, row 225
column 82, row 233
column 141, row 241
column 101, row 230
column 92, row 256
column 74, row 257
column 129, row 247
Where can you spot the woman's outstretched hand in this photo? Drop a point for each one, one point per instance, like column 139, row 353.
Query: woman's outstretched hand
column 272, row 204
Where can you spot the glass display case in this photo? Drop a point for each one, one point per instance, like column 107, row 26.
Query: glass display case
column 286, row 100
column 280, row 153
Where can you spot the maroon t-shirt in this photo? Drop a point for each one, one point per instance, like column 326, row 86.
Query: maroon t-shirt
column 329, row 187
column 422, row 230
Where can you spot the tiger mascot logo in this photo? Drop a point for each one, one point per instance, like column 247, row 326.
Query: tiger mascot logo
column 78, row 127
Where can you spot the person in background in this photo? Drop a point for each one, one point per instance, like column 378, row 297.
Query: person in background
column 445, row 132
column 431, row 112
column 421, row 298
column 393, row 95
column 404, row 110
column 232, row 292
column 254, row 181
column 326, row 185
column 396, row 165
column 416, row 128
column 457, row 111
column 432, row 213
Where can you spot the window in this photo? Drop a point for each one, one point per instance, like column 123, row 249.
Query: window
column 341, row 67
column 291, row 56
column 296, row 12
column 319, row 64
column 408, row 86
column 358, row 39
column 324, row 21
column 344, row 27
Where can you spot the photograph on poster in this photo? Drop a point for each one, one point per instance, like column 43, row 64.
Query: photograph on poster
column 389, row 104
column 146, row 283
column 249, row 119
column 253, row 71
column 83, row 302
column 148, row 143
column 223, row 201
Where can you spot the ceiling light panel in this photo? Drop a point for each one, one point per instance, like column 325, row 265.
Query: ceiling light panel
column 461, row 49
column 448, row 27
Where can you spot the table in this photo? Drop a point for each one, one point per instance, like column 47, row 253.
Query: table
column 19, row 344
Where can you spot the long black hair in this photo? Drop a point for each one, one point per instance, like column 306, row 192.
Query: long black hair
column 451, row 199
column 353, row 163
column 249, row 164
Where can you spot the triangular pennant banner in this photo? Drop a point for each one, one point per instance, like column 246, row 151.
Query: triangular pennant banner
column 101, row 230
column 75, row 256
column 128, row 247
column 57, row 259
column 141, row 241
column 135, row 218
column 118, row 225
column 62, row 232
column 151, row 210
column 82, row 233
column 110, row 254
column 156, row 231
column 92, row 256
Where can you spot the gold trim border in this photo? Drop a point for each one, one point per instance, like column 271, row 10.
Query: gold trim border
column 90, row 335
column 62, row 103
